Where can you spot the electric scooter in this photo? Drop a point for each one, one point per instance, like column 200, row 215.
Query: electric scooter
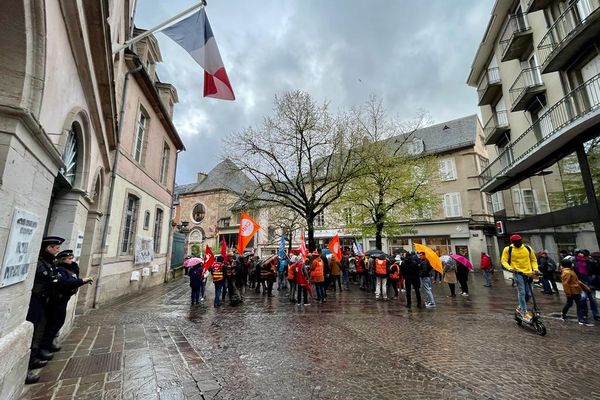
column 536, row 322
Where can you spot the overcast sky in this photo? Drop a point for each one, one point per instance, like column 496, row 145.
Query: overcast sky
column 412, row 54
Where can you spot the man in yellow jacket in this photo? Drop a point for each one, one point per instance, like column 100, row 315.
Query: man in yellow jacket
column 521, row 260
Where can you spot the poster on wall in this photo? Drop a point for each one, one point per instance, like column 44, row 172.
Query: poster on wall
column 78, row 246
column 19, row 251
column 144, row 250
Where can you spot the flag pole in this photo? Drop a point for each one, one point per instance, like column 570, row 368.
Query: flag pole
column 118, row 47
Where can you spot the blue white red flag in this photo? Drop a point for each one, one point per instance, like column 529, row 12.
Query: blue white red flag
column 195, row 35
column 357, row 248
column 281, row 252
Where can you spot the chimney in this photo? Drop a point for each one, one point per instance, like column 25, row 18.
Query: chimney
column 201, row 177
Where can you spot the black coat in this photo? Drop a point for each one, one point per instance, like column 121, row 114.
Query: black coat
column 425, row 268
column 196, row 276
column 67, row 281
column 409, row 269
column 44, row 282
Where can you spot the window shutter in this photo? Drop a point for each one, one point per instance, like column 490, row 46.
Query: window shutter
column 518, row 202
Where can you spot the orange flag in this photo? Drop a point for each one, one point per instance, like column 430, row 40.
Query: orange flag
column 303, row 249
column 248, row 228
column 334, row 247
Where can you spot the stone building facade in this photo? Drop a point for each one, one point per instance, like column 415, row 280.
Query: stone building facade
column 57, row 129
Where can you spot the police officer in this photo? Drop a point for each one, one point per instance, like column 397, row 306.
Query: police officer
column 67, row 284
column 43, row 286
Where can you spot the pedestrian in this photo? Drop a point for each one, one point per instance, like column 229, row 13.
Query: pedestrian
column 43, row 287
column 317, row 275
column 335, row 271
column 302, row 283
column 547, row 266
column 462, row 274
column 381, row 274
column 196, row 274
column 346, row 269
column 520, row 259
column 361, row 272
column 425, row 270
column 282, row 273
column 372, row 276
column 450, row 274
column 217, row 272
column 326, row 271
column 410, row 271
column 291, row 270
column 486, row 269
column 66, row 285
column 583, row 267
column 573, row 288
column 437, row 276
column 394, row 277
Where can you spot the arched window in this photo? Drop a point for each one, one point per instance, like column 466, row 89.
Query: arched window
column 198, row 213
column 69, row 172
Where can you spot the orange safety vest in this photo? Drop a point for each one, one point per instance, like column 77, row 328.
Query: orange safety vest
column 316, row 270
column 380, row 267
column 217, row 272
column 291, row 272
column 395, row 272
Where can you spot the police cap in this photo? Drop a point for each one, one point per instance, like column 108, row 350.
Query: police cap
column 65, row 253
column 52, row 240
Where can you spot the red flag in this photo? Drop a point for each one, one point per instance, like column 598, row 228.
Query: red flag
column 209, row 258
column 223, row 247
column 303, row 249
column 334, row 247
column 248, row 228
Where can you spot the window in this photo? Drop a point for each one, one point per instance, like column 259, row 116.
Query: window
column 447, row 169
column 164, row 164
column 320, row 219
column 347, row 215
column 140, row 135
column 158, row 222
column 415, row 146
column 70, row 156
column 271, row 233
column 452, row 206
column 525, row 201
column 421, row 213
column 130, row 219
column 497, row 202
column 146, row 220
column 224, row 222
column 198, row 213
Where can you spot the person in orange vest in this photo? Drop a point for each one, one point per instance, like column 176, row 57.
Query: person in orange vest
column 317, row 275
column 381, row 275
column 291, row 278
column 217, row 271
column 335, row 269
column 303, row 285
column 394, row 278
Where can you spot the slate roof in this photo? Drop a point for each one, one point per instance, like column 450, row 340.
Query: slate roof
column 446, row 136
column 181, row 189
column 224, row 176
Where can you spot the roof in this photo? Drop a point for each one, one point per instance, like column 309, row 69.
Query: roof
column 181, row 189
column 446, row 136
column 224, row 176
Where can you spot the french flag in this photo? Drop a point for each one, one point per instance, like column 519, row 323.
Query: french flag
column 196, row 37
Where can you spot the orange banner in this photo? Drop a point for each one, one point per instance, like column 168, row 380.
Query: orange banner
column 334, row 247
column 248, row 228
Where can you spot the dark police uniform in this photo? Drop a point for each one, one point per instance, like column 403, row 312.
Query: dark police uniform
column 43, row 286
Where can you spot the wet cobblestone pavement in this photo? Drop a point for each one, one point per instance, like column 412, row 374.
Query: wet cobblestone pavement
column 156, row 346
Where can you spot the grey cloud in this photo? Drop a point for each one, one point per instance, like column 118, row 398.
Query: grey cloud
column 412, row 54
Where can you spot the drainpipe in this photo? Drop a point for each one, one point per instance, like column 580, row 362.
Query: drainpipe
column 170, row 243
column 113, row 177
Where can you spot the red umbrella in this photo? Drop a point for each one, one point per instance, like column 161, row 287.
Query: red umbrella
column 463, row 260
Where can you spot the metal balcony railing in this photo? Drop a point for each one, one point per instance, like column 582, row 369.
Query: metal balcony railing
column 499, row 120
column 528, row 78
column 564, row 27
column 491, row 77
column 517, row 23
column 578, row 103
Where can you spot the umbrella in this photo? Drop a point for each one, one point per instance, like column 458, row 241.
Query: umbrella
column 463, row 260
column 192, row 261
column 431, row 256
column 375, row 253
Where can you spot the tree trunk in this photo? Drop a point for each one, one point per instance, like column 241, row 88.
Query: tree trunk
column 310, row 224
column 379, row 235
column 291, row 236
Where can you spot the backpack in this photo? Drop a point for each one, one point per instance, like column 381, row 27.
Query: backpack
column 510, row 252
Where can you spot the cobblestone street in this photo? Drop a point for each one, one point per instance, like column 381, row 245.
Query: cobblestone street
column 157, row 346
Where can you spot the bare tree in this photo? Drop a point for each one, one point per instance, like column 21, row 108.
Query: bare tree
column 301, row 158
column 394, row 185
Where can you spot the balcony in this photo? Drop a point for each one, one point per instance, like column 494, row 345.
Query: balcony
column 495, row 127
column 490, row 86
column 537, row 5
column 517, row 38
column 577, row 26
column 547, row 139
column 525, row 88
